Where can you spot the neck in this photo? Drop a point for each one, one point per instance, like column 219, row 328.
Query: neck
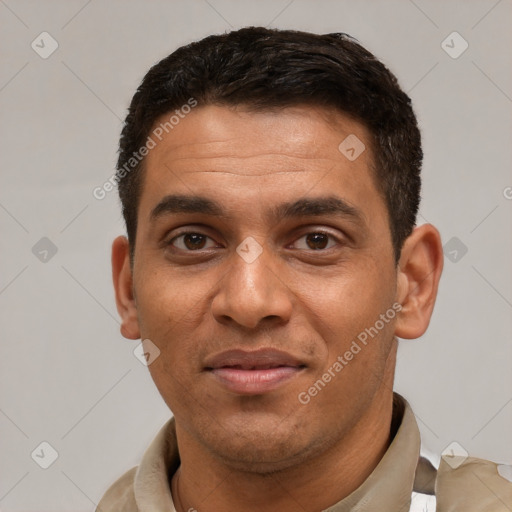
column 205, row 484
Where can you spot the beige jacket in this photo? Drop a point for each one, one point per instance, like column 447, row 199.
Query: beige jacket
column 402, row 481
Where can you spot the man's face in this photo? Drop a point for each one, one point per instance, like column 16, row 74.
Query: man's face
column 203, row 288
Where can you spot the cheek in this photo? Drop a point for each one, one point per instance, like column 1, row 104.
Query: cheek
column 347, row 314
column 168, row 309
column 164, row 300
column 348, row 301
column 359, row 343
column 166, row 324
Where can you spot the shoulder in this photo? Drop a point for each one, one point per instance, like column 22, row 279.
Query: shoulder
column 472, row 484
column 120, row 495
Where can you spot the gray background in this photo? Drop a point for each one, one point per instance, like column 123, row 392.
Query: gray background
column 69, row 378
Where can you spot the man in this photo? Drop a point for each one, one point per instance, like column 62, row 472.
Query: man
column 270, row 182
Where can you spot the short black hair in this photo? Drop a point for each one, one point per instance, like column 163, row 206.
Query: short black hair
column 269, row 68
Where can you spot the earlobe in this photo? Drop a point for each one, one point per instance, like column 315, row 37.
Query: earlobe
column 123, row 287
column 419, row 271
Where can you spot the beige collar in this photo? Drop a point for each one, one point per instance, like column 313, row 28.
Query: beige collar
column 387, row 489
column 390, row 485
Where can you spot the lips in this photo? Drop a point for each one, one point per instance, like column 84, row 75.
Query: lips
column 254, row 372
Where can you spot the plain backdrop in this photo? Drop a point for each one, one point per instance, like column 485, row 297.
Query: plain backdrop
column 67, row 376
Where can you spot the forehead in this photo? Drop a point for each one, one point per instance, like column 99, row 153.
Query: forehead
column 209, row 131
column 248, row 159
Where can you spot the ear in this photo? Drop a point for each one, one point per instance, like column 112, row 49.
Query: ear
column 419, row 271
column 123, row 286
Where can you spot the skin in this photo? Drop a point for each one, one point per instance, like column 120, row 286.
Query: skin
column 269, row 452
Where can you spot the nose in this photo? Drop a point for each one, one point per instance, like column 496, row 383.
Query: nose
column 252, row 293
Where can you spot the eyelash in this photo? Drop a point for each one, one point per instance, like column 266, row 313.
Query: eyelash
column 314, row 232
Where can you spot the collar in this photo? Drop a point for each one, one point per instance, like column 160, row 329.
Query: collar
column 390, row 485
column 387, row 489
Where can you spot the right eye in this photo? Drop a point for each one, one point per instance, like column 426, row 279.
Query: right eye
column 190, row 241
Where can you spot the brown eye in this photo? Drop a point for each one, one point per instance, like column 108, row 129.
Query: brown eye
column 316, row 241
column 190, row 241
column 194, row 241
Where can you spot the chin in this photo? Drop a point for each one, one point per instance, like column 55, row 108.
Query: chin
column 259, row 446
column 263, row 460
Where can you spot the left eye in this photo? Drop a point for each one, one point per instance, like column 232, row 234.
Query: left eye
column 317, row 241
column 191, row 241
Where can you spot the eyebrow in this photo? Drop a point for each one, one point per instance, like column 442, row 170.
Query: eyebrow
column 303, row 207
